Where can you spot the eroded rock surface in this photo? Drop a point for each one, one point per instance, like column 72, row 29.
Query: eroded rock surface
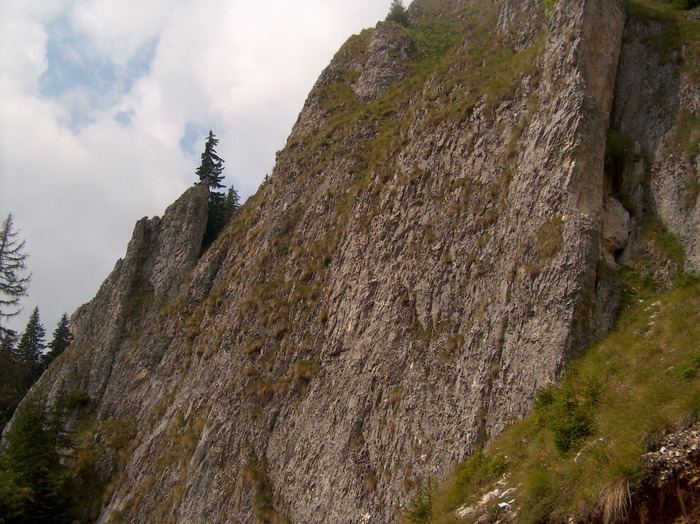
column 414, row 269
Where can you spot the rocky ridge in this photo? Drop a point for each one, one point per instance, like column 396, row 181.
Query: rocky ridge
column 440, row 235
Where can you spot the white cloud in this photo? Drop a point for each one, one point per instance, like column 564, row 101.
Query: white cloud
column 239, row 68
column 119, row 28
column 22, row 45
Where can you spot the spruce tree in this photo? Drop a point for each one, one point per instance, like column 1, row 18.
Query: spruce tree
column 13, row 280
column 62, row 338
column 12, row 381
column 211, row 170
column 221, row 206
column 233, row 201
column 33, row 464
column 31, row 347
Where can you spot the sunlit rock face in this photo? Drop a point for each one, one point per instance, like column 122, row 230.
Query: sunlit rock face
column 439, row 237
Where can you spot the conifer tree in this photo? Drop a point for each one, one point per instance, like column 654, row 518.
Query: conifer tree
column 221, row 206
column 32, row 463
column 62, row 338
column 12, row 381
column 31, row 347
column 8, row 339
column 13, row 281
column 210, row 171
column 233, row 202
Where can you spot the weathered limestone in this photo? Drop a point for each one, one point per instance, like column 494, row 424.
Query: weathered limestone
column 385, row 303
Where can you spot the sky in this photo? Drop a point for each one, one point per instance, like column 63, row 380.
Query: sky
column 105, row 106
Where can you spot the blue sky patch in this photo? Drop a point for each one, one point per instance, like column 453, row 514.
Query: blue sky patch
column 85, row 80
column 125, row 117
column 192, row 142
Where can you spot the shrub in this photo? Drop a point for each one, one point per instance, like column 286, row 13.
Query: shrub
column 568, row 414
column 683, row 4
column 398, row 13
column 421, row 508
column 74, row 400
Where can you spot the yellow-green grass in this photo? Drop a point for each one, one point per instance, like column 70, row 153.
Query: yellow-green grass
column 582, row 445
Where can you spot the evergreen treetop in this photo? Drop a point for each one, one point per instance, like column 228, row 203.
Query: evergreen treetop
column 13, row 281
column 221, row 206
column 62, row 338
column 210, row 171
column 32, row 342
column 30, row 349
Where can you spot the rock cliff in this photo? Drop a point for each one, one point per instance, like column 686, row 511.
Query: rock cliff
column 441, row 234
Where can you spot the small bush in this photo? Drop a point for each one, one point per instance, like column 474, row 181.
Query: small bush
column 305, row 370
column 398, row 13
column 567, row 414
column 421, row 508
column 74, row 400
column 497, row 466
column 683, row 4
column 538, row 487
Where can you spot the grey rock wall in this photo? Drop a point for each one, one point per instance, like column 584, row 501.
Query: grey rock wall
column 396, row 293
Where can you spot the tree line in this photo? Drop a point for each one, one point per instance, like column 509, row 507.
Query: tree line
column 32, row 488
column 23, row 357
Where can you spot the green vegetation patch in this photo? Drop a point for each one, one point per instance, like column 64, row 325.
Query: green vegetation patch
column 550, row 4
column 51, row 474
column 255, row 478
column 580, row 450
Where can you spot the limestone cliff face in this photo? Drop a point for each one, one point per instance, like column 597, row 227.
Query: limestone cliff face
column 107, row 360
column 439, row 237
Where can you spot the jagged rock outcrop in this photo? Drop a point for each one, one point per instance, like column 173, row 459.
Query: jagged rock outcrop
column 438, row 238
column 103, row 361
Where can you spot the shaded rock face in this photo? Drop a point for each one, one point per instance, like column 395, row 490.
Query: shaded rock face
column 652, row 97
column 434, row 245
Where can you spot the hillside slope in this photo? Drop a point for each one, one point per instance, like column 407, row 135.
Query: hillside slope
column 440, row 235
column 616, row 440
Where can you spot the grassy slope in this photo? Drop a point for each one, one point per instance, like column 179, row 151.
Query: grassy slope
column 586, row 435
